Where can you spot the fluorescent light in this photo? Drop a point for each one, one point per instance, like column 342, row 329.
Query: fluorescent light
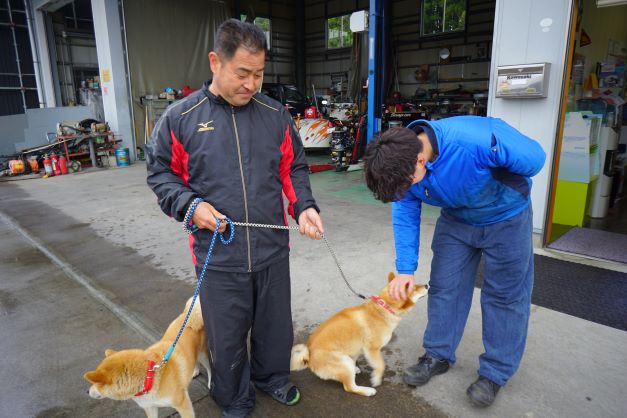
column 607, row 3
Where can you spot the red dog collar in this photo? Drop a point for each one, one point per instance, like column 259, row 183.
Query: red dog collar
column 381, row 303
column 149, row 380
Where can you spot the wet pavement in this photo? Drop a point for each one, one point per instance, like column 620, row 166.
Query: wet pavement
column 61, row 282
column 88, row 262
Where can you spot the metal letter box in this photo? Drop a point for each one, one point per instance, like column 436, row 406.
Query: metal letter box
column 522, row 81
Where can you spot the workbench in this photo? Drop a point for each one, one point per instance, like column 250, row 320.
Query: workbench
column 72, row 145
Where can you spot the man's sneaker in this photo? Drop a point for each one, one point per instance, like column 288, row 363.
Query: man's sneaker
column 425, row 369
column 482, row 392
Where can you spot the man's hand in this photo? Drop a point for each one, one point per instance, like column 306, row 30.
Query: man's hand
column 205, row 217
column 398, row 288
column 310, row 224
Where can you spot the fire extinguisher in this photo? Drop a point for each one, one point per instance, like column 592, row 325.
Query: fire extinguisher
column 48, row 166
column 55, row 164
column 63, row 164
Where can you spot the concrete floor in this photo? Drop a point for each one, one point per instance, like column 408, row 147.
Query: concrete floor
column 89, row 261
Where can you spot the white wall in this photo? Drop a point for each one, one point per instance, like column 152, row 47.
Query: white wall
column 519, row 38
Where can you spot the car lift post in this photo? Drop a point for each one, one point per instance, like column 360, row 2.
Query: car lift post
column 376, row 69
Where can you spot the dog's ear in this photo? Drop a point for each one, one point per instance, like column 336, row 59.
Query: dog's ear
column 390, row 276
column 109, row 351
column 95, row 376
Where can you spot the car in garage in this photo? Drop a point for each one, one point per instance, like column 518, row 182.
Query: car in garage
column 288, row 95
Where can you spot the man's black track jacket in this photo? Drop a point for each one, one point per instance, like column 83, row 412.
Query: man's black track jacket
column 239, row 159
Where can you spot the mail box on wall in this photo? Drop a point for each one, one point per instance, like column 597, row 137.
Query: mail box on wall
column 525, row 81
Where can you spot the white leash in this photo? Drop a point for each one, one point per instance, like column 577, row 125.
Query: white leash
column 324, row 238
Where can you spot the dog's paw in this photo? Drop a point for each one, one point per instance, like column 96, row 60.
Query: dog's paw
column 375, row 380
column 357, row 370
column 369, row 391
column 196, row 371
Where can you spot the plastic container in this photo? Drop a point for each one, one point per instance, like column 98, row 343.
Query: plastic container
column 122, row 157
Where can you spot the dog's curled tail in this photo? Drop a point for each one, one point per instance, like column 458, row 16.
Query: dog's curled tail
column 300, row 357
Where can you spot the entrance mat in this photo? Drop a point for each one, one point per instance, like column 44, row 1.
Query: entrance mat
column 587, row 292
column 593, row 243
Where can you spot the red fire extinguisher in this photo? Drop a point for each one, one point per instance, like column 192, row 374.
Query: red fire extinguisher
column 48, row 166
column 55, row 164
column 63, row 164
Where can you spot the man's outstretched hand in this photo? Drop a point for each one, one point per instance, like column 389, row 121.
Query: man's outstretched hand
column 310, row 224
column 399, row 287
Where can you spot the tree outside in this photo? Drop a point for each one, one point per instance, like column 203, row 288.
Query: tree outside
column 441, row 16
column 339, row 34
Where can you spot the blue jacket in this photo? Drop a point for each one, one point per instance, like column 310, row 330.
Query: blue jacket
column 480, row 176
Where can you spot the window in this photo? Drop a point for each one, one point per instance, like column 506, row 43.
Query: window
column 263, row 23
column 339, row 34
column 443, row 16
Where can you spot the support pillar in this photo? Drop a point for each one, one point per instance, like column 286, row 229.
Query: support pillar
column 112, row 68
column 376, row 67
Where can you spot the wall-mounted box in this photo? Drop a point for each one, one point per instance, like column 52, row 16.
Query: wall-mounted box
column 359, row 21
column 525, row 81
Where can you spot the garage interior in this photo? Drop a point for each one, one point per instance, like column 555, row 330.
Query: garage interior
column 77, row 247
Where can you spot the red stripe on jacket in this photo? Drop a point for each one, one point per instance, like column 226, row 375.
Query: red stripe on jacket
column 180, row 158
column 191, row 247
column 285, row 169
column 179, row 166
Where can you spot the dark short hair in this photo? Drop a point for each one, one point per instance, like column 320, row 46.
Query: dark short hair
column 390, row 163
column 233, row 34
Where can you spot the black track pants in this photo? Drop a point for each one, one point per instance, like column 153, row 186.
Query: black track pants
column 234, row 304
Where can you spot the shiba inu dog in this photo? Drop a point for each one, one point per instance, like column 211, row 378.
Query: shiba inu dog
column 335, row 345
column 122, row 374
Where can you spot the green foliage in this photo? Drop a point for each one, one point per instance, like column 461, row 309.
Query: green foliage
column 261, row 22
column 442, row 16
column 339, row 34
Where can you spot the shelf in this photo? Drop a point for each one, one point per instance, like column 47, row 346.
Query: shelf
column 449, row 80
column 78, row 154
column 463, row 80
column 475, row 61
column 436, row 101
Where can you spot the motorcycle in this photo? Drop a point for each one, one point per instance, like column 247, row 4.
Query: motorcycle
column 341, row 147
column 345, row 137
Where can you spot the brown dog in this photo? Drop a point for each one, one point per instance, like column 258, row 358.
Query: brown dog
column 335, row 345
column 121, row 374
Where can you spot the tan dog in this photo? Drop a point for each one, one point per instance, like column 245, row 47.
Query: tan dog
column 335, row 345
column 121, row 374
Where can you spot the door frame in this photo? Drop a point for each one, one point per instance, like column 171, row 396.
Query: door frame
column 570, row 52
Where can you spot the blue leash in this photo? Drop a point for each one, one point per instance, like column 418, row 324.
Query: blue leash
column 200, row 279
column 190, row 228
